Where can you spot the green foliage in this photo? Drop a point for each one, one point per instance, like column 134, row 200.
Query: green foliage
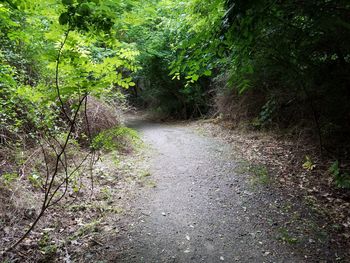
column 8, row 178
column 308, row 164
column 267, row 113
column 195, row 45
column 46, row 248
column 91, row 227
column 119, row 138
column 286, row 236
column 36, row 180
column 294, row 55
column 261, row 174
column 92, row 59
column 156, row 29
column 297, row 53
column 106, row 193
column 341, row 179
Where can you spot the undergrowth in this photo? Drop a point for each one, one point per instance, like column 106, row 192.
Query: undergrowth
column 118, row 138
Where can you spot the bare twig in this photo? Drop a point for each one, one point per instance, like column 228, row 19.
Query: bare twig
column 48, row 193
column 66, row 180
column 22, row 169
column 61, row 157
column 58, row 60
column 92, row 160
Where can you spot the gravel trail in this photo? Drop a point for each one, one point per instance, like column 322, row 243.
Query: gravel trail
column 202, row 210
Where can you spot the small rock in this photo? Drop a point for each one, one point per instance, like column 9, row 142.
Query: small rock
column 222, row 258
column 7, row 230
column 266, row 253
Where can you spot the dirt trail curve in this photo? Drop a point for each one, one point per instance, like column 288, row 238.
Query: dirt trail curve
column 201, row 210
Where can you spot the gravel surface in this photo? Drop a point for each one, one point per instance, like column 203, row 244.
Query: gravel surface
column 201, row 209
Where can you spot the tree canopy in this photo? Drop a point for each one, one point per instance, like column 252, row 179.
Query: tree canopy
column 293, row 54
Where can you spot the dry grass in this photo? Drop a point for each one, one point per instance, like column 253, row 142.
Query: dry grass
column 238, row 108
column 100, row 116
column 22, row 175
column 82, row 223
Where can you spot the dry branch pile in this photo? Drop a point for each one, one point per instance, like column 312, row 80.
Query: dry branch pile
column 97, row 116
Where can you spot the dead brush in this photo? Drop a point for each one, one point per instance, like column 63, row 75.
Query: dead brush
column 52, row 171
column 18, row 206
column 236, row 107
column 96, row 116
column 231, row 105
column 22, row 186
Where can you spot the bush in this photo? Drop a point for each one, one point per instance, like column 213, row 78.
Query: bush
column 99, row 116
column 119, row 138
column 341, row 179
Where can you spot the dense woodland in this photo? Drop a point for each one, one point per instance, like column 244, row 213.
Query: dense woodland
column 269, row 65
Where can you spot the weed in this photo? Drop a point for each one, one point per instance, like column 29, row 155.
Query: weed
column 320, row 234
column 341, row 179
column 101, row 208
column 308, row 164
column 151, row 184
column 119, row 138
column 144, row 179
column 261, row 174
column 311, row 202
column 35, row 180
column 116, row 160
column 91, row 227
column 106, row 193
column 145, row 174
column 8, row 178
column 285, row 236
column 46, row 247
column 242, row 168
column 287, row 207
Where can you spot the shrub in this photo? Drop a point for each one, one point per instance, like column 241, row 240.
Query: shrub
column 119, row 138
column 341, row 179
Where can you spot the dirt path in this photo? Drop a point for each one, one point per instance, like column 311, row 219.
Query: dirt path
column 202, row 210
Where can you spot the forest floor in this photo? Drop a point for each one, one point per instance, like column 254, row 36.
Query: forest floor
column 193, row 193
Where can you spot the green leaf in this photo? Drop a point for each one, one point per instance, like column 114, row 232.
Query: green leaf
column 207, row 73
column 84, row 9
column 64, row 18
column 67, row 2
